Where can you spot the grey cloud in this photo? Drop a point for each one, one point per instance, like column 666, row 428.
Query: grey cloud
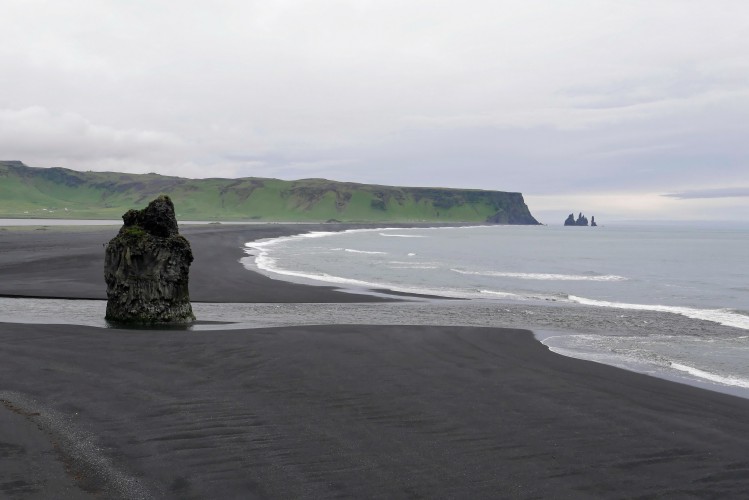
column 37, row 132
column 733, row 192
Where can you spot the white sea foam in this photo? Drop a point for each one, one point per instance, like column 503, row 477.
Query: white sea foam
column 632, row 353
column 543, row 276
column 270, row 242
column 506, row 295
column 403, row 235
column 265, row 262
column 712, row 377
column 368, row 252
column 547, row 297
column 724, row 317
column 262, row 245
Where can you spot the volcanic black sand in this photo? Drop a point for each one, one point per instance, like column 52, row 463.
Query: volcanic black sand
column 329, row 411
column 55, row 263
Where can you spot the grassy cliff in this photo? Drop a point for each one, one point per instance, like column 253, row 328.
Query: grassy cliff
column 63, row 193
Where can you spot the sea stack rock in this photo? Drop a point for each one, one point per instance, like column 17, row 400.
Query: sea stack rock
column 593, row 221
column 146, row 268
column 581, row 220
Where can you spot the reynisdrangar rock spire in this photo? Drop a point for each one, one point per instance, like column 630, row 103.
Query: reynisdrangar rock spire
column 146, row 268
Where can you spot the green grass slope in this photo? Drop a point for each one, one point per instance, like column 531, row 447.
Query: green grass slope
column 62, row 193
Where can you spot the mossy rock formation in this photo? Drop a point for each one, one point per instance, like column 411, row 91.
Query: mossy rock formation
column 146, row 268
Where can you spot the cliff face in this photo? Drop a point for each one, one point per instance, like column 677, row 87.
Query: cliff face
column 511, row 209
column 146, row 268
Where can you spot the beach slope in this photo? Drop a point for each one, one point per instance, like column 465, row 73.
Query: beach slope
column 363, row 411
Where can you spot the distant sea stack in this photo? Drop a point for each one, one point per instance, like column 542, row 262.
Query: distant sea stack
column 580, row 221
column 146, row 268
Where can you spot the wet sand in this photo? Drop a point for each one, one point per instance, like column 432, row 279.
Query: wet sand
column 330, row 411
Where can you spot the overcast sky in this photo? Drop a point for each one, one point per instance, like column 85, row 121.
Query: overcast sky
column 620, row 109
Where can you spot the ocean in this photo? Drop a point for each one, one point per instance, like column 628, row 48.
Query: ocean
column 670, row 301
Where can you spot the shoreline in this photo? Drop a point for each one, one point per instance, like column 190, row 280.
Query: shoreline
column 79, row 275
column 212, row 245
column 220, row 248
column 330, row 410
column 543, row 320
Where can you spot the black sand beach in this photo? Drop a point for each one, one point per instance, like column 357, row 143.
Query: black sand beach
column 53, row 263
column 329, row 411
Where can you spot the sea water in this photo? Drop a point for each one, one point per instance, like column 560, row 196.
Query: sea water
column 672, row 301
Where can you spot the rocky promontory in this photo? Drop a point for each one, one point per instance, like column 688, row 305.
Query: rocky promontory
column 146, row 268
column 60, row 192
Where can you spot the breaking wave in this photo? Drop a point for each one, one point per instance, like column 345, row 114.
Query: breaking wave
column 368, row 252
column 544, row 276
column 725, row 317
column 712, row 377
